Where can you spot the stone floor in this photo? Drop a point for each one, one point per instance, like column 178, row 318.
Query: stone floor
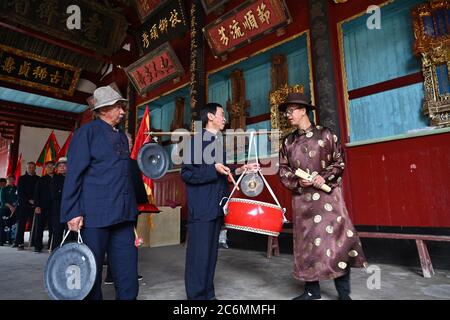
column 241, row 275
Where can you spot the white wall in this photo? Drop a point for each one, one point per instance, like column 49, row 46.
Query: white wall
column 32, row 140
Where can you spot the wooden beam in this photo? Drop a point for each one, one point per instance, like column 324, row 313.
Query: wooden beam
column 7, row 130
column 386, row 85
column 256, row 119
column 54, row 41
column 4, row 124
column 40, row 123
column 14, row 107
column 78, row 97
column 36, row 116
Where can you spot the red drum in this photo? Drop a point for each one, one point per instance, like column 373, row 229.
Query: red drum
column 254, row 216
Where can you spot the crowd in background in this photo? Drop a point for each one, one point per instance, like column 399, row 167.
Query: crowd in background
column 33, row 204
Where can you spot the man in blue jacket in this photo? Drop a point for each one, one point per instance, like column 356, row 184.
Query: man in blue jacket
column 98, row 195
column 206, row 184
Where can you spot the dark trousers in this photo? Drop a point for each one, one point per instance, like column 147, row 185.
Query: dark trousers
column 201, row 258
column 342, row 285
column 109, row 275
column 58, row 230
column 4, row 214
column 40, row 223
column 118, row 242
column 24, row 214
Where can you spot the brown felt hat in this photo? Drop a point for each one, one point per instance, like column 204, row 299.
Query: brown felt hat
column 298, row 99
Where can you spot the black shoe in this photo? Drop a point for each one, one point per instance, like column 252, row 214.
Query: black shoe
column 140, row 277
column 20, row 247
column 344, row 297
column 37, row 250
column 1, row 244
column 109, row 281
column 307, row 296
column 14, row 245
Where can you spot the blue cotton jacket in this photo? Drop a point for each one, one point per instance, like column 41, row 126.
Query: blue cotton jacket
column 98, row 184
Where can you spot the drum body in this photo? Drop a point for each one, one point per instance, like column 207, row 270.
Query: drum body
column 254, row 216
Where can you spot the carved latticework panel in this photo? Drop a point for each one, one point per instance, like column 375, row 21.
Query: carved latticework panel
column 432, row 43
column 276, row 97
column 237, row 105
column 279, row 71
column 177, row 123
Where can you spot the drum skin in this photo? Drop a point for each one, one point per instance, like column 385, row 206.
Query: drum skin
column 254, row 216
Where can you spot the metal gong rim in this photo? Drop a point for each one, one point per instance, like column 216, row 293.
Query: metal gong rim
column 69, row 257
column 252, row 185
column 153, row 160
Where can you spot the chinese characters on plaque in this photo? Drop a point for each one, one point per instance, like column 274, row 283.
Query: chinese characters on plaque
column 31, row 70
column 158, row 66
column 102, row 30
column 167, row 23
column 250, row 21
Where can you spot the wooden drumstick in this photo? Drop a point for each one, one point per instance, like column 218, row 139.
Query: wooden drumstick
column 304, row 175
column 138, row 242
column 232, row 180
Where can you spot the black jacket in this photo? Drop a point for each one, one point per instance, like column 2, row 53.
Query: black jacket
column 25, row 189
column 56, row 188
column 41, row 196
column 205, row 186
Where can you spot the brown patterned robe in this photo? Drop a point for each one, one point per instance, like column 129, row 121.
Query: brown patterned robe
column 325, row 240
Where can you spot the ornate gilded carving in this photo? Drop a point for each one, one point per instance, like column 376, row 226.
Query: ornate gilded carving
column 276, row 97
column 237, row 105
column 432, row 43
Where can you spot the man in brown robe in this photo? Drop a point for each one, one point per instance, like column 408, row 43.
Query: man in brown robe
column 326, row 244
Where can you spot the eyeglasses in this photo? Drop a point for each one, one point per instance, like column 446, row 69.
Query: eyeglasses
column 289, row 112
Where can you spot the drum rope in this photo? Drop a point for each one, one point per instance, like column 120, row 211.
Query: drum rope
column 80, row 240
column 252, row 143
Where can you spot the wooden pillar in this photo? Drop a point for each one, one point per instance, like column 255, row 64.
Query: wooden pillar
column 197, row 61
column 130, row 124
column 324, row 81
column 14, row 147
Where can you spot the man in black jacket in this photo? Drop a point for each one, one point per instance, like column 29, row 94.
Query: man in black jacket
column 25, row 190
column 206, row 185
column 56, row 188
column 43, row 202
